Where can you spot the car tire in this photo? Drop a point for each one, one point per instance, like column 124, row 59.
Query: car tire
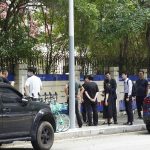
column 44, row 137
column 148, row 127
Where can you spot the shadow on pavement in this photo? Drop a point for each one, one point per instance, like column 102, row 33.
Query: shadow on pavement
column 143, row 133
column 1, row 148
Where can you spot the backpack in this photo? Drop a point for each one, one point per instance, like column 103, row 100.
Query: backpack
column 133, row 88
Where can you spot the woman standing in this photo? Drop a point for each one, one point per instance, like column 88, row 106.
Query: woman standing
column 110, row 110
column 108, row 105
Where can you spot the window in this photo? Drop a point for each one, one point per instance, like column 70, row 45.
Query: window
column 9, row 95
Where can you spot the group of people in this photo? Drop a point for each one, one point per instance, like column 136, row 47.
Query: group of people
column 137, row 90
column 89, row 91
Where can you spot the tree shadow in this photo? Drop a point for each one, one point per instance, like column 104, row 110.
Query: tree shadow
column 1, row 148
column 145, row 132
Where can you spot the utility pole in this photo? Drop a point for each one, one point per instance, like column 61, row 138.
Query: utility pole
column 71, row 65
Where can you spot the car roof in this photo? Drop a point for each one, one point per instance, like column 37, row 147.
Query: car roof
column 2, row 85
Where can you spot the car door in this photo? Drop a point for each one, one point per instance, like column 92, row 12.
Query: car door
column 17, row 118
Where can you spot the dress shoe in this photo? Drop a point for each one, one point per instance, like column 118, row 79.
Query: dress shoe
column 128, row 123
column 89, row 125
column 80, row 126
column 109, row 123
column 95, row 124
column 104, row 123
column 115, row 122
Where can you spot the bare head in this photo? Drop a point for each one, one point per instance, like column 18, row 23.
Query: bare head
column 124, row 75
column 5, row 73
column 107, row 76
column 141, row 74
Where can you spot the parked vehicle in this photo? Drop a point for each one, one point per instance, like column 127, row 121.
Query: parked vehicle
column 146, row 112
column 22, row 119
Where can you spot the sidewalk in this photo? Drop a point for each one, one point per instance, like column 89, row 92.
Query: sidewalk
column 102, row 129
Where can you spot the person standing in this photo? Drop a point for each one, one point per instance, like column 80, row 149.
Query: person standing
column 91, row 92
column 33, row 84
column 83, row 104
column 110, row 96
column 77, row 97
column 1, row 76
column 128, row 98
column 141, row 87
column 4, row 76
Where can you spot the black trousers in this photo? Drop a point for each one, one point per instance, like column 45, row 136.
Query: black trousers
column 114, row 110
column 91, row 107
column 128, row 107
column 79, row 121
column 139, row 104
column 84, row 114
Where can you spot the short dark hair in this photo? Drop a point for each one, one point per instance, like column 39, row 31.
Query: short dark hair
column 90, row 77
column 32, row 69
column 85, row 77
column 125, row 73
column 141, row 71
column 107, row 72
column 4, row 70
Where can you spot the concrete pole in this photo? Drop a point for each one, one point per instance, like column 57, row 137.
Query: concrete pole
column 71, row 65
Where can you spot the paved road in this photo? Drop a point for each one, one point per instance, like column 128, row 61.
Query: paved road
column 125, row 141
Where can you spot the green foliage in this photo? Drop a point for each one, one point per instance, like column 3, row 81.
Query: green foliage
column 107, row 32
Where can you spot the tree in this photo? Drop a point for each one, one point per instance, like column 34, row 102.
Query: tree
column 121, row 23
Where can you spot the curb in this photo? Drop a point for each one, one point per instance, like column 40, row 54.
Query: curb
column 93, row 131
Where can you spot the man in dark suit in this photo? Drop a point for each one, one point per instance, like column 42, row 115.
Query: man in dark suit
column 113, row 86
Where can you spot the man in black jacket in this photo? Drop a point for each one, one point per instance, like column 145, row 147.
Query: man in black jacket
column 113, row 86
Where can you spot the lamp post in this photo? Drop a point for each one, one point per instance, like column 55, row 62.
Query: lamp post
column 71, row 65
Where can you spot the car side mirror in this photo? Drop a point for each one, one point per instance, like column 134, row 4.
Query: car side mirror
column 25, row 101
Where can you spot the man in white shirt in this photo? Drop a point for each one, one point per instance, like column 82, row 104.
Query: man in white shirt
column 33, row 84
column 128, row 98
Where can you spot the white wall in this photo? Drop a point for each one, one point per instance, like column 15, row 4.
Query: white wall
column 58, row 86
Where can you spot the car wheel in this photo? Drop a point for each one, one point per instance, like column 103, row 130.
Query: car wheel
column 44, row 136
column 148, row 127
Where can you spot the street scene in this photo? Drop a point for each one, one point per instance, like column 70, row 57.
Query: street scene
column 104, row 142
column 74, row 74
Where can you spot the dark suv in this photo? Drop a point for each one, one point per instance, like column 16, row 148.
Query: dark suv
column 25, row 120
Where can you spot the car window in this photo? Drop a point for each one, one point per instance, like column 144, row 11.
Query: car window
column 9, row 95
